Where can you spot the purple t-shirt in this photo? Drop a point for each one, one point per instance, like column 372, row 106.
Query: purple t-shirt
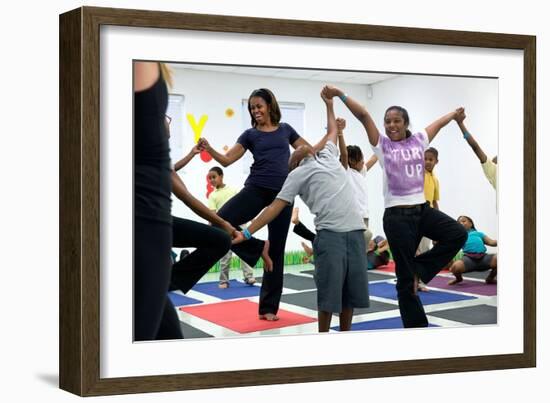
column 403, row 166
column 271, row 153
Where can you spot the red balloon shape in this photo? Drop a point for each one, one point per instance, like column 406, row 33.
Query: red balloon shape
column 205, row 156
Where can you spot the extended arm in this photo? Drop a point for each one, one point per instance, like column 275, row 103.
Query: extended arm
column 357, row 110
column 440, row 123
column 181, row 192
column 372, row 160
column 234, row 153
column 268, row 215
column 470, row 139
column 340, row 126
column 185, row 160
column 489, row 241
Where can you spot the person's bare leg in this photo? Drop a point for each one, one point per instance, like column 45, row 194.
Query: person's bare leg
column 346, row 317
column 268, row 263
column 324, row 321
column 492, row 277
column 457, row 269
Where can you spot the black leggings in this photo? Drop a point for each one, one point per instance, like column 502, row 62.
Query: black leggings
column 154, row 315
column 211, row 244
column 240, row 209
column 404, row 227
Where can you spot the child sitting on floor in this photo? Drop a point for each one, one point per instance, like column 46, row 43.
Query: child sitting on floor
column 475, row 256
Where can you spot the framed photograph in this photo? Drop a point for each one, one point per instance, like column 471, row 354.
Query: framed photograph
column 215, row 63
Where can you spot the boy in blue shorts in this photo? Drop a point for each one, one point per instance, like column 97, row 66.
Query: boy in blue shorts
column 317, row 176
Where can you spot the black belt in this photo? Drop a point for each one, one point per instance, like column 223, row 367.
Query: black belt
column 409, row 210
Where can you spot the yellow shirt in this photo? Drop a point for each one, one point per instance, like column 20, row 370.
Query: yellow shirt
column 218, row 197
column 431, row 187
column 490, row 171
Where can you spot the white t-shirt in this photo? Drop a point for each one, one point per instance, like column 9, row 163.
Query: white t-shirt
column 402, row 164
column 358, row 181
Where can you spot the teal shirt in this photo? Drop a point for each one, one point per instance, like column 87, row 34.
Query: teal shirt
column 474, row 243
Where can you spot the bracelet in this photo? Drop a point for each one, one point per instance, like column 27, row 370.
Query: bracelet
column 466, row 135
column 343, row 97
column 246, row 233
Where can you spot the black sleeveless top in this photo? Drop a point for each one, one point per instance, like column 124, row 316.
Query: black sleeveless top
column 152, row 169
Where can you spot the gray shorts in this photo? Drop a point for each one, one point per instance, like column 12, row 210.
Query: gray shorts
column 340, row 270
column 475, row 264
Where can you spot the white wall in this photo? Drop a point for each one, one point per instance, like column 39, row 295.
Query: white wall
column 211, row 93
column 29, row 203
column 464, row 189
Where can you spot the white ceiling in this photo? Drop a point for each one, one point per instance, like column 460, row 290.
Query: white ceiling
column 325, row 76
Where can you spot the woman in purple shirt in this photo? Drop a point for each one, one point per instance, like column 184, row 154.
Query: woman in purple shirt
column 268, row 140
column 407, row 216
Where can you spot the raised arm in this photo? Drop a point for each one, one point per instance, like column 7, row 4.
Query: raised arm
column 440, row 123
column 181, row 192
column 357, row 110
column 489, row 241
column 372, row 160
column 470, row 139
column 340, row 126
column 185, row 160
column 234, row 153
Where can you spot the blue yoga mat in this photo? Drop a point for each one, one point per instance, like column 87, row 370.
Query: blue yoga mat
column 389, row 323
column 181, row 300
column 387, row 290
column 235, row 290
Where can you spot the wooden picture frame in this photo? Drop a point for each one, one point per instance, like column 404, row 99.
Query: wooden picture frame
column 80, row 199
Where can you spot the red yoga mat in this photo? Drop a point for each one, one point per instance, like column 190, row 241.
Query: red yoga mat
column 242, row 316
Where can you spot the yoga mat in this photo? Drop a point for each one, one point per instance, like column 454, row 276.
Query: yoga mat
column 295, row 282
column 190, row 332
column 242, row 316
column 235, row 290
column 372, row 276
column 180, row 300
column 308, row 299
column 390, row 267
column 472, row 287
column 389, row 323
column 387, row 290
column 472, row 315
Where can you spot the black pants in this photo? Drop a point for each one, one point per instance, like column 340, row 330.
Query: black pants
column 154, row 315
column 211, row 244
column 404, row 227
column 302, row 231
column 240, row 209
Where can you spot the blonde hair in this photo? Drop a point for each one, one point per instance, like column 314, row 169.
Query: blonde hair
column 166, row 74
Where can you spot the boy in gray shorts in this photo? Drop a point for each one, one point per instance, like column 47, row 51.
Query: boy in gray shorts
column 317, row 176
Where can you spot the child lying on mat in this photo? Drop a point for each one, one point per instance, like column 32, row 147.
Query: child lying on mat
column 475, row 256
column 317, row 176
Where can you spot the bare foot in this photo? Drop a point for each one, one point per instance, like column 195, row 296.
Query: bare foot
column 490, row 280
column 270, row 317
column 294, row 219
column 268, row 263
column 456, row 280
column 422, row 287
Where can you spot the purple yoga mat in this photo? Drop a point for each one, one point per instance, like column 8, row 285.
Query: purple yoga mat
column 473, row 287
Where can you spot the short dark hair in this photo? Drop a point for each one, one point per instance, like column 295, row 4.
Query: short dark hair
column 271, row 101
column 433, row 151
column 469, row 219
column 403, row 112
column 218, row 170
column 354, row 153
